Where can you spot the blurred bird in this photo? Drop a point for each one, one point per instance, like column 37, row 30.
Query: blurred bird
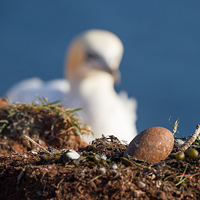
column 91, row 69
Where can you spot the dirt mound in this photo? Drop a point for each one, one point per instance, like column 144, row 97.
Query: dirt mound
column 101, row 171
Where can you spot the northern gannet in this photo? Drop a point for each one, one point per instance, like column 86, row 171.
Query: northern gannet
column 91, row 69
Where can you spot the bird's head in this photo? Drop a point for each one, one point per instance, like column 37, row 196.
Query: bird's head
column 92, row 53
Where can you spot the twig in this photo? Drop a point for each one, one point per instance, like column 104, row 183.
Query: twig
column 5, row 122
column 170, row 176
column 31, row 140
column 191, row 140
column 95, row 178
column 175, row 126
column 191, row 175
column 182, row 179
column 52, row 128
column 22, row 173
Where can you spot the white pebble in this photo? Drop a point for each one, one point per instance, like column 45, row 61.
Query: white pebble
column 114, row 166
column 72, row 154
column 102, row 170
column 103, row 156
column 180, row 142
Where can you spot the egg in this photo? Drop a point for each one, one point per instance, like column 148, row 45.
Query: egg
column 151, row 145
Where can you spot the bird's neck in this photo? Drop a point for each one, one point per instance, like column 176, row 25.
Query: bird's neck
column 92, row 84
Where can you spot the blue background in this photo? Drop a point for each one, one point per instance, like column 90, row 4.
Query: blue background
column 160, row 67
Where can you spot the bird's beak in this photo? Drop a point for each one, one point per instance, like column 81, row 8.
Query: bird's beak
column 114, row 72
column 117, row 76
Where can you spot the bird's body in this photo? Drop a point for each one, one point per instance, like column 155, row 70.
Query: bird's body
column 27, row 90
column 92, row 65
column 107, row 112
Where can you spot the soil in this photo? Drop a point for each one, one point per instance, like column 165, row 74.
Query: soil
column 101, row 172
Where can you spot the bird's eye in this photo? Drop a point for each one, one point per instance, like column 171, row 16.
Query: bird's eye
column 91, row 55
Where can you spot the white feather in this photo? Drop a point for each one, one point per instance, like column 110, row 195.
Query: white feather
column 26, row 90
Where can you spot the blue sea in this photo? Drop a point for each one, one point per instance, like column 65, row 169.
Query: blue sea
column 160, row 67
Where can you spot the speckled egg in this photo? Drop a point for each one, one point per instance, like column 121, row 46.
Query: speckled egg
column 151, row 145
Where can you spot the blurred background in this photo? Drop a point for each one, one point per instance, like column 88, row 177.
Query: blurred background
column 160, row 67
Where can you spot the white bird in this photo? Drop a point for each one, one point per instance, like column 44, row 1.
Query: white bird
column 92, row 68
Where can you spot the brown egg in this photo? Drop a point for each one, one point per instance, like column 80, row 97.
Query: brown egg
column 151, row 145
